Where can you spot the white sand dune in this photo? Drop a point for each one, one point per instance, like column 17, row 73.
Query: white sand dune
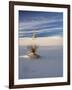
column 42, row 41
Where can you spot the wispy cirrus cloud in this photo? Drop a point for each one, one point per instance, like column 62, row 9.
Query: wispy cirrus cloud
column 42, row 23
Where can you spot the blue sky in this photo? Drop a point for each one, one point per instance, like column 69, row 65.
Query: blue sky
column 43, row 23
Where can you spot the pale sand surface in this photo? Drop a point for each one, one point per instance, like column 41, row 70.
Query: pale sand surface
column 41, row 41
column 50, row 63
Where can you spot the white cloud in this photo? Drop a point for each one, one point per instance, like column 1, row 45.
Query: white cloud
column 42, row 30
column 33, row 24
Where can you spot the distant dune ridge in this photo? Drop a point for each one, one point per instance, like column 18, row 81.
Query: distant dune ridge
column 42, row 41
